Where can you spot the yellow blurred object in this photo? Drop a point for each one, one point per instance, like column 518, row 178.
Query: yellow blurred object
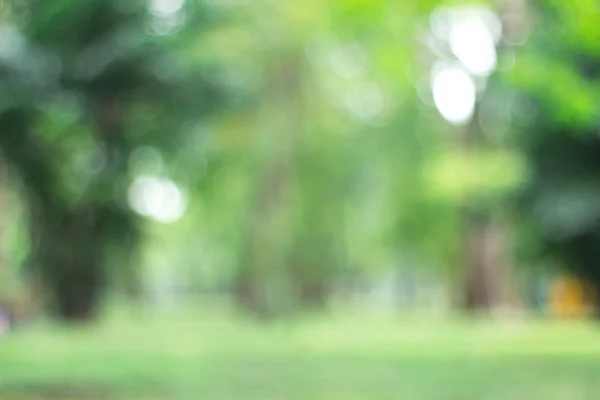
column 570, row 298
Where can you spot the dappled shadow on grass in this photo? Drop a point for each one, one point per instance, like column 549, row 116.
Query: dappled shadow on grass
column 55, row 392
column 70, row 392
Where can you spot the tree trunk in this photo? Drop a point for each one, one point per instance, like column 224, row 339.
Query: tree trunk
column 488, row 275
column 489, row 280
column 3, row 198
column 266, row 241
column 482, row 290
column 311, row 290
column 250, row 292
column 73, row 265
column 77, row 297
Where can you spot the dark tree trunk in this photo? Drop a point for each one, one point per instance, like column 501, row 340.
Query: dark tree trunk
column 72, row 264
column 77, row 300
column 481, row 291
column 489, row 282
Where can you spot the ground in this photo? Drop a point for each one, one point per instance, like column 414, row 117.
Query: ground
column 203, row 355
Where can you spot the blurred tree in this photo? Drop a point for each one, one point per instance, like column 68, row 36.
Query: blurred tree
column 84, row 85
column 556, row 107
column 328, row 146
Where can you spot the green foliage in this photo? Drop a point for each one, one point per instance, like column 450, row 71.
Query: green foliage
column 565, row 96
column 295, row 127
column 559, row 71
column 461, row 177
column 88, row 84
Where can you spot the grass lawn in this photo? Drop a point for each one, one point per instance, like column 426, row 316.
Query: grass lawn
column 198, row 355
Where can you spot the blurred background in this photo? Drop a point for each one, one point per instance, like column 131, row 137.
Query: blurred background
column 285, row 199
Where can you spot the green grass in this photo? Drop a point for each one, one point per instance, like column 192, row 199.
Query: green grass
column 203, row 356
